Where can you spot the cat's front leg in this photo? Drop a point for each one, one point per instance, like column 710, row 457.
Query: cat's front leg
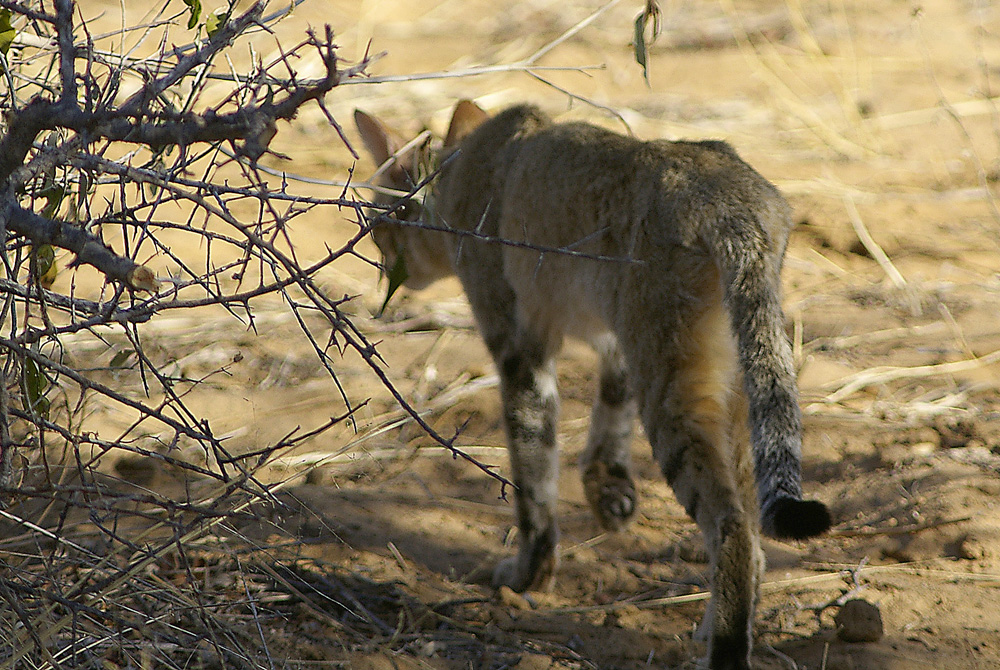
column 531, row 409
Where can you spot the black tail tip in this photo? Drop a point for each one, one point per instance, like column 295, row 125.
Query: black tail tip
column 792, row 519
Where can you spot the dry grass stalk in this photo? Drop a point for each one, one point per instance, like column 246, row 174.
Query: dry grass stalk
column 883, row 375
column 787, row 97
column 971, row 146
column 823, row 63
column 873, row 247
column 876, row 336
column 921, row 568
column 910, row 529
column 638, row 602
column 918, row 117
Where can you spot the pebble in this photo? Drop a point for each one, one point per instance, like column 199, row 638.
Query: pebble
column 859, row 621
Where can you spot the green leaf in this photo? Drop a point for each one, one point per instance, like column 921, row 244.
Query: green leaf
column 7, row 31
column 53, row 194
column 195, row 7
column 639, row 42
column 77, row 204
column 118, row 361
column 41, row 407
column 35, row 385
column 45, row 259
column 215, row 21
column 397, row 277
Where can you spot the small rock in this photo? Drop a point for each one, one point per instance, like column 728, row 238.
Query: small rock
column 971, row 548
column 859, row 621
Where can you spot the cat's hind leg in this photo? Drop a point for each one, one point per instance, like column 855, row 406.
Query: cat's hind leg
column 605, row 464
column 683, row 360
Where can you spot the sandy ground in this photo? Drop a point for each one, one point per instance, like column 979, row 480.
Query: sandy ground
column 870, row 116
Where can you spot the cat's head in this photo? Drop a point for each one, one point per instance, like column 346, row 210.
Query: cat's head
column 403, row 192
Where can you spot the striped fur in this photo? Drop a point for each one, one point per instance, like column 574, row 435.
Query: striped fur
column 687, row 321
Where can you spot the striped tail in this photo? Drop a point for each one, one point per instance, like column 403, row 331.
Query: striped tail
column 749, row 253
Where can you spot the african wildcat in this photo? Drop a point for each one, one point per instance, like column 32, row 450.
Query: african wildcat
column 686, row 316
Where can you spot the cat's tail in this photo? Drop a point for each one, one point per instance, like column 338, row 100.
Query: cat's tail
column 749, row 254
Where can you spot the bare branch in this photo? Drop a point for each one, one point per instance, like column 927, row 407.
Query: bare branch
column 67, row 51
column 103, row 388
column 88, row 249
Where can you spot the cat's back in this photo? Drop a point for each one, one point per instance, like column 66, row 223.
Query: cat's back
column 469, row 179
column 704, row 185
column 558, row 183
column 584, row 156
column 672, row 190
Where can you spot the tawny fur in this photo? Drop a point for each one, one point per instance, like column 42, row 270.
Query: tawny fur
column 677, row 289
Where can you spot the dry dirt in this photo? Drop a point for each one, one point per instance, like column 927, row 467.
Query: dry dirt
column 868, row 115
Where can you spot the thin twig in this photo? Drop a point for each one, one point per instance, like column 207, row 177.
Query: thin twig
column 893, row 531
column 882, row 375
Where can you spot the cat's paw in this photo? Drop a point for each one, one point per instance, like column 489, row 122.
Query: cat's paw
column 611, row 494
column 515, row 573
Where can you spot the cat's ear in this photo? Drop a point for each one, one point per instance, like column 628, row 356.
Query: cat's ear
column 380, row 140
column 384, row 144
column 467, row 117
